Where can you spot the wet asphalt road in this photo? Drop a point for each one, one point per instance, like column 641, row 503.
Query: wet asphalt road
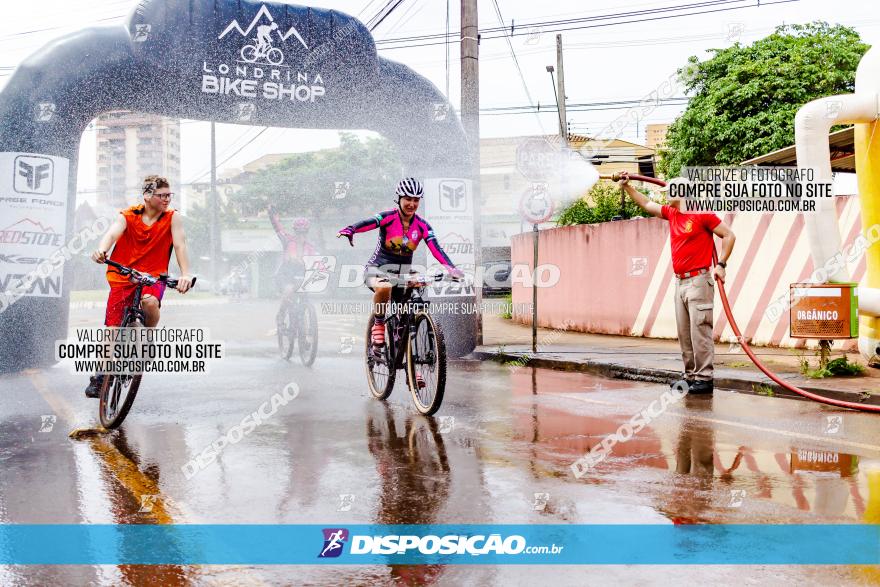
column 499, row 451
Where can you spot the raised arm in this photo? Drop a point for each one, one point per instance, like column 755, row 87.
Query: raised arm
column 371, row 223
column 282, row 234
column 652, row 208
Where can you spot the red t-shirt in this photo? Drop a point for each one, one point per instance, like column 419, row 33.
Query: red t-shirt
column 690, row 237
column 145, row 248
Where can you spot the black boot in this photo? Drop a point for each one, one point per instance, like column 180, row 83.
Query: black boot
column 94, row 388
column 702, row 387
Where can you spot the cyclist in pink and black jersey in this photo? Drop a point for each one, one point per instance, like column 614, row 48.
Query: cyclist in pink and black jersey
column 400, row 232
column 295, row 247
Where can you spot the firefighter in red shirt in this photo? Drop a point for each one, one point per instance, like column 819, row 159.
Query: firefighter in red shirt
column 691, row 240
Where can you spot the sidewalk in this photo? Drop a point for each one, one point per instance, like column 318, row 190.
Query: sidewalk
column 657, row 360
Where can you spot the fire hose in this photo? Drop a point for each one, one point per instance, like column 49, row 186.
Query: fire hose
column 741, row 339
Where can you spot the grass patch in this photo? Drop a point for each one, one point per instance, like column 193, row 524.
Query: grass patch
column 739, row 364
column 762, row 389
column 828, row 367
column 507, row 307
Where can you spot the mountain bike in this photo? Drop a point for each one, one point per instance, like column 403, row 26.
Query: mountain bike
column 273, row 55
column 414, row 342
column 297, row 322
column 118, row 391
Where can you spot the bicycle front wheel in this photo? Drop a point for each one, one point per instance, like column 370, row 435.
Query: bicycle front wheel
column 117, row 395
column 426, row 364
column 308, row 334
column 275, row 57
column 284, row 326
column 380, row 368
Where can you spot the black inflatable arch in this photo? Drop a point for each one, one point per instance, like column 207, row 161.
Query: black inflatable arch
column 191, row 59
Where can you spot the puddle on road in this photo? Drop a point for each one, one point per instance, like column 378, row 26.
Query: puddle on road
column 689, row 465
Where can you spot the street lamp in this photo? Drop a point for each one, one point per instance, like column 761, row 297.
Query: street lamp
column 550, row 70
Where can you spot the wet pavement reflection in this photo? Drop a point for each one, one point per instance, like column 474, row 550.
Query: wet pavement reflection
column 500, row 450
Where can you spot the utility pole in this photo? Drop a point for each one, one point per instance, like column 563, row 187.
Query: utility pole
column 214, row 204
column 560, row 92
column 470, row 117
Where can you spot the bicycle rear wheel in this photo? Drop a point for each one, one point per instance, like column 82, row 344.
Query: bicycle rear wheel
column 426, row 360
column 380, row 368
column 308, row 334
column 118, row 393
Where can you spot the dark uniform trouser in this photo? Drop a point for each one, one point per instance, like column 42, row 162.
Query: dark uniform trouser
column 694, row 299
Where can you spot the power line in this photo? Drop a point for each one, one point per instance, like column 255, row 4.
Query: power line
column 558, row 26
column 240, row 149
column 578, row 20
column 513, row 54
column 386, row 11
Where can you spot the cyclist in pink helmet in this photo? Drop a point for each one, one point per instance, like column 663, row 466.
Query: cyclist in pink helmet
column 295, row 246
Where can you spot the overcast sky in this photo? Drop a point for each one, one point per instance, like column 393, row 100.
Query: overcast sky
column 622, row 62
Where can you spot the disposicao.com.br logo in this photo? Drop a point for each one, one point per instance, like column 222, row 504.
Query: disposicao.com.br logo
column 430, row 544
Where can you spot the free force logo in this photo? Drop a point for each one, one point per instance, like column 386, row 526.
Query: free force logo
column 453, row 196
column 33, row 175
column 334, row 540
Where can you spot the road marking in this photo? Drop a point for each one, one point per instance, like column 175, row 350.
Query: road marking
column 798, row 435
column 120, row 466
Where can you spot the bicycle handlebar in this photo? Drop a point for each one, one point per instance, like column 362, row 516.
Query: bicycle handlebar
column 165, row 278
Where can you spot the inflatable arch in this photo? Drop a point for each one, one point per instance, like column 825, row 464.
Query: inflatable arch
column 199, row 59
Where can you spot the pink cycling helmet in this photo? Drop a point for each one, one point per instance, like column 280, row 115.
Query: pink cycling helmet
column 301, row 224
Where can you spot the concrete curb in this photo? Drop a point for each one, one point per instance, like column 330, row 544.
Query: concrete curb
column 752, row 383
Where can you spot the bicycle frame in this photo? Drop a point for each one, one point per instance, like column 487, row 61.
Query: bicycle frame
column 411, row 302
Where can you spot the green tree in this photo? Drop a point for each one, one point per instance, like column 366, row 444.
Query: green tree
column 744, row 98
column 601, row 204
column 306, row 183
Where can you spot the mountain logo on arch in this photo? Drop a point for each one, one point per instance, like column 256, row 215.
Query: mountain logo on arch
column 263, row 49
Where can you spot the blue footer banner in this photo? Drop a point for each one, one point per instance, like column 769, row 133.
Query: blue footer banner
column 454, row 544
